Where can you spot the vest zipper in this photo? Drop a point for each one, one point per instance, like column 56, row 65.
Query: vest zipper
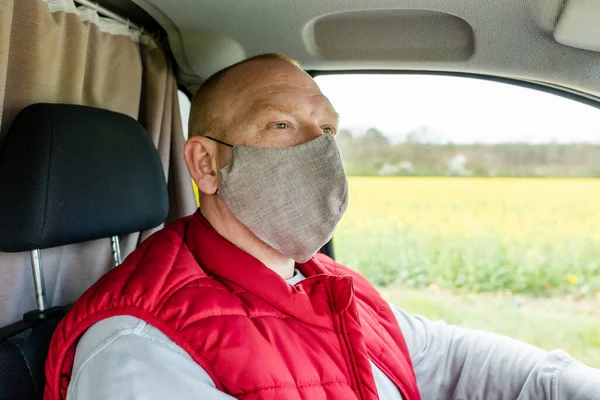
column 354, row 371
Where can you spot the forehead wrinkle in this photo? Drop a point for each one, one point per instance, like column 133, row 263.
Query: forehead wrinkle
column 290, row 108
column 282, row 108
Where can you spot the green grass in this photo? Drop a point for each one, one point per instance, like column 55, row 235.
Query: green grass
column 503, row 255
column 558, row 323
column 526, row 236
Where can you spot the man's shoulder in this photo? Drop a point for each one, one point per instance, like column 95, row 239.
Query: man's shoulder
column 105, row 335
column 164, row 248
column 157, row 269
column 173, row 233
column 123, row 355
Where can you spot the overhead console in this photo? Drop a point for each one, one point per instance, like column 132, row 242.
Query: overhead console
column 390, row 35
column 579, row 25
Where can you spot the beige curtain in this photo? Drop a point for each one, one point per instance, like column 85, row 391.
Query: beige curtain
column 51, row 51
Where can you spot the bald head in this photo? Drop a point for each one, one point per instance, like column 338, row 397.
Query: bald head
column 211, row 107
column 266, row 101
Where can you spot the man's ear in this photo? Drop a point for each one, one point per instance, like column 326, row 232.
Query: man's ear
column 200, row 157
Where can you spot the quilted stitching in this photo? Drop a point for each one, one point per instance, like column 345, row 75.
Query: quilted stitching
column 249, row 347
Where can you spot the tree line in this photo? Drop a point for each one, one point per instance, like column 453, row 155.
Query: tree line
column 372, row 154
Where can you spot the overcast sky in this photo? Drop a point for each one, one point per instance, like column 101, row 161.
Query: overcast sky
column 461, row 110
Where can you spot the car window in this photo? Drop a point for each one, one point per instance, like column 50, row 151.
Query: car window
column 475, row 202
column 184, row 108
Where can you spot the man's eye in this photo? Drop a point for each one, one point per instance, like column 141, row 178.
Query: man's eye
column 328, row 130
column 280, row 125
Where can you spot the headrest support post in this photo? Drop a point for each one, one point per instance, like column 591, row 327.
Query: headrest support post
column 116, row 250
column 38, row 279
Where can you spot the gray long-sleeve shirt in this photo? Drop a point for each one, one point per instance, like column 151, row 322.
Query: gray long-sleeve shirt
column 126, row 358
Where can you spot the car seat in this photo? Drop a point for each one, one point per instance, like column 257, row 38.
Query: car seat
column 68, row 174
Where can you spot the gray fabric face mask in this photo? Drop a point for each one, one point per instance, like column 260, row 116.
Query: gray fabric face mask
column 291, row 198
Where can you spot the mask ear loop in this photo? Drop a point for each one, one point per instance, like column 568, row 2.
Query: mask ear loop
column 223, row 143
column 218, row 141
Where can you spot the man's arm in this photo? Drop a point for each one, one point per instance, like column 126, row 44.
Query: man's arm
column 124, row 358
column 456, row 363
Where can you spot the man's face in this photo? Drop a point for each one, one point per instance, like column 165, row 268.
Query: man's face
column 266, row 103
column 273, row 103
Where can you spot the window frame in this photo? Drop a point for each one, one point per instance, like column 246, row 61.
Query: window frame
column 557, row 90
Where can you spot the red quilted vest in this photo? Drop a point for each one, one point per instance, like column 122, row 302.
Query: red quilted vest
column 255, row 335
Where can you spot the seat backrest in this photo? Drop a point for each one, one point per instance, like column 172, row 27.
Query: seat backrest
column 23, row 348
column 68, row 174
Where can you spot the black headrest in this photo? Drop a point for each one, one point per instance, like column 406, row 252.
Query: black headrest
column 72, row 173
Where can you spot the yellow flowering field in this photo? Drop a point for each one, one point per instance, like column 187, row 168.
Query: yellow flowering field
column 519, row 257
column 506, row 236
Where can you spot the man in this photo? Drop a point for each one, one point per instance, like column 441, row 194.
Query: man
column 230, row 302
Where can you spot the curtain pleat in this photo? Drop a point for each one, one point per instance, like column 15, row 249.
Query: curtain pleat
column 48, row 54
